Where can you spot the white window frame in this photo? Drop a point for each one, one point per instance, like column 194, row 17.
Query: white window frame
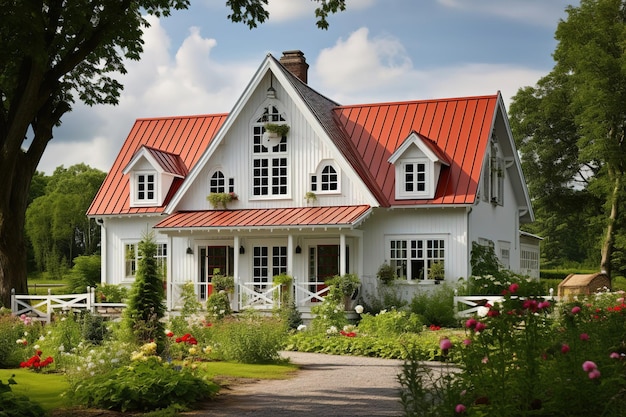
column 131, row 264
column 268, row 261
column 317, row 180
column 265, row 161
column 408, row 256
column 135, row 188
column 401, row 175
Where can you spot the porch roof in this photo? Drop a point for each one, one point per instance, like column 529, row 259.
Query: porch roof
column 336, row 216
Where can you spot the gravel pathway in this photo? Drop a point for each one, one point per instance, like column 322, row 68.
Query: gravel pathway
column 326, row 385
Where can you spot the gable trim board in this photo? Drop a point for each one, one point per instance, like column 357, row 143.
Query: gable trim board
column 363, row 143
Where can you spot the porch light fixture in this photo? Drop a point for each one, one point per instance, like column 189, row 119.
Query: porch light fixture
column 298, row 249
column 242, row 250
column 189, row 251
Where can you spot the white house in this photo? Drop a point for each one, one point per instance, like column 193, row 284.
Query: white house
column 408, row 183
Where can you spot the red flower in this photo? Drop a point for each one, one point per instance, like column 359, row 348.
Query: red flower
column 169, row 334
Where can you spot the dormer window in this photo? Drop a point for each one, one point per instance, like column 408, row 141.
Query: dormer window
column 326, row 179
column 151, row 173
column 418, row 162
column 145, row 186
column 415, row 181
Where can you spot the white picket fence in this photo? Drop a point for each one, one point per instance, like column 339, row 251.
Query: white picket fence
column 476, row 303
column 42, row 307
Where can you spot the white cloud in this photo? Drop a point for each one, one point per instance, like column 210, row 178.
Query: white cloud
column 158, row 85
column 361, row 69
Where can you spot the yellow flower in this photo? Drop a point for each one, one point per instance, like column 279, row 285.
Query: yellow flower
column 193, row 351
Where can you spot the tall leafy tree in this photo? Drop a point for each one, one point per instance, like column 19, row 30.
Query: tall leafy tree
column 570, row 127
column 52, row 53
column 56, row 224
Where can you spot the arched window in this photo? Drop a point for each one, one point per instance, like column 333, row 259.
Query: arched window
column 326, row 179
column 217, row 183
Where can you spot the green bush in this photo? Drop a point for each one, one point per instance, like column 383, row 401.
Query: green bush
column 85, row 273
column 109, row 293
column 145, row 385
column 249, row 338
column 15, row 405
column 436, row 307
column 218, row 306
column 11, row 330
column 390, row 323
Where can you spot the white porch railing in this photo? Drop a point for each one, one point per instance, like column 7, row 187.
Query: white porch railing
column 477, row 302
column 309, row 292
column 261, row 296
column 42, row 307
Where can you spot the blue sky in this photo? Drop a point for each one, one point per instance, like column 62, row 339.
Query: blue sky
column 198, row 62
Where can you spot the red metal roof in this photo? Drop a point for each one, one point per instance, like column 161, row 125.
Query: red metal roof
column 170, row 162
column 297, row 217
column 460, row 127
column 185, row 137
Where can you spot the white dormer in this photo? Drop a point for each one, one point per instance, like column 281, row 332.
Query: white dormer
column 151, row 175
column 418, row 163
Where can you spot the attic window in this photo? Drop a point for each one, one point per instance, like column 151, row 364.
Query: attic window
column 145, row 187
column 326, row 179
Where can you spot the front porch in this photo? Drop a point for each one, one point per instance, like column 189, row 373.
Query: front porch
column 264, row 296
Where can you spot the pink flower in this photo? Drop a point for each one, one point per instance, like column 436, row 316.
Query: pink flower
column 575, row 310
column 485, row 360
column 614, row 355
column 513, row 288
column 595, row 374
column 544, row 304
column 589, row 366
column 470, row 323
column 480, row 326
column 467, row 342
column 460, row 408
column 445, row 344
column 584, row 337
column 564, row 348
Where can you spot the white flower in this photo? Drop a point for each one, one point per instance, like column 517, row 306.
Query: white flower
column 331, row 330
column 61, row 348
column 302, row 327
column 42, row 338
column 36, row 347
column 482, row 311
column 358, row 309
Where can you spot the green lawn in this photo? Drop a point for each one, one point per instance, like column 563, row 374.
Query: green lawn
column 48, row 388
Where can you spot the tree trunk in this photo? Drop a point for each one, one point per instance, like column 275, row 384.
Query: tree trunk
column 12, row 239
column 609, row 238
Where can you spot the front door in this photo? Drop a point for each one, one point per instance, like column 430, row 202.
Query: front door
column 213, row 259
column 323, row 265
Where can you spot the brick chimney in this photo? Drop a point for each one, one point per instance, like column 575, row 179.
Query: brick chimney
column 295, row 62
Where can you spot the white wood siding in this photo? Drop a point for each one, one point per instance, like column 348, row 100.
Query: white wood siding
column 305, row 150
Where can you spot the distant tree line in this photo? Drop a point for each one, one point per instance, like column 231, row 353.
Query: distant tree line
column 57, row 228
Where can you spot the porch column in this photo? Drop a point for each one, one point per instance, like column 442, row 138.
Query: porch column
column 237, row 243
column 342, row 254
column 169, row 286
column 290, row 253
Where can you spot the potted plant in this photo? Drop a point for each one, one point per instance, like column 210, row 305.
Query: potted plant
column 221, row 199
column 222, row 282
column 386, row 274
column 437, row 271
column 310, row 196
column 276, row 130
column 284, row 281
column 347, row 285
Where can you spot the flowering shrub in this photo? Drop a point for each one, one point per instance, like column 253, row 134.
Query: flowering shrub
column 390, row 323
column 35, row 362
column 16, row 335
column 526, row 356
